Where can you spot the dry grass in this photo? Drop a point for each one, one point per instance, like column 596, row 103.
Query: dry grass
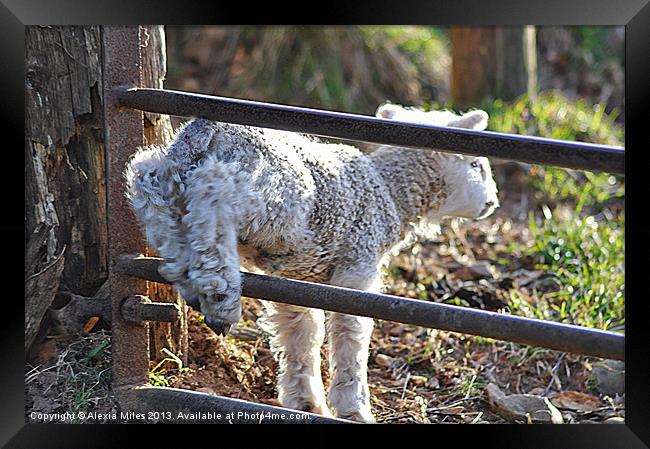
column 76, row 379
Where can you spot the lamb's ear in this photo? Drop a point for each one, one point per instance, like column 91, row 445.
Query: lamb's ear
column 388, row 110
column 477, row 120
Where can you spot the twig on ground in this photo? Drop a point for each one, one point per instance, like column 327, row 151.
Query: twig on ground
column 554, row 374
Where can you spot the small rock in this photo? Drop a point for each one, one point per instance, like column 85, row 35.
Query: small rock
column 524, row 277
column 396, row 331
column 207, row 390
column 537, row 391
column 418, row 381
column 546, row 284
column 408, row 338
column 484, row 270
column 522, row 407
column 384, row 360
column 433, row 383
column 474, row 272
column 494, row 392
column 614, row 420
column 610, row 377
column 574, row 400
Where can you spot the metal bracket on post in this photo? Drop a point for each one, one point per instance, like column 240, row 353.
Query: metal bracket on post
column 124, row 132
column 138, row 309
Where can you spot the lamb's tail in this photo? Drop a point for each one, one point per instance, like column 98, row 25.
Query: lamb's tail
column 155, row 190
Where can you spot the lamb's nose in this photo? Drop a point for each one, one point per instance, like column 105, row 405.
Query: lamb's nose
column 489, row 203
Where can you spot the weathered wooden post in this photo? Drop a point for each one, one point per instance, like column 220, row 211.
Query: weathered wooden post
column 66, row 230
column 65, row 193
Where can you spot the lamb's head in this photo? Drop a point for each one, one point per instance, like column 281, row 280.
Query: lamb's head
column 472, row 192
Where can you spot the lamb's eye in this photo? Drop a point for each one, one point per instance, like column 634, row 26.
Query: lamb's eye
column 474, row 164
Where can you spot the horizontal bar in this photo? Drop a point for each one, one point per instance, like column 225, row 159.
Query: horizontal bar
column 547, row 334
column 186, row 406
column 139, row 308
column 534, row 150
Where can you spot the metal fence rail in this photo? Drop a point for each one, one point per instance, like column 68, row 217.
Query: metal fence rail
column 534, row 150
column 547, row 334
column 170, row 403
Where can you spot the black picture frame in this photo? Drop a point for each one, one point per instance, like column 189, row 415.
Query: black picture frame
column 633, row 14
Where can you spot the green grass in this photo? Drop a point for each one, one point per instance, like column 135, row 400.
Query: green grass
column 160, row 376
column 90, row 379
column 422, row 44
column 586, row 250
column 551, row 114
column 556, row 186
column 588, row 258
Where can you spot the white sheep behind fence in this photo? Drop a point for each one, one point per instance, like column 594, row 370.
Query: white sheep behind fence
column 290, row 205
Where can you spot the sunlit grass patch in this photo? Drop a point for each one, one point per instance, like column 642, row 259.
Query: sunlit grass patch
column 90, row 380
column 587, row 256
column 552, row 115
column 556, row 185
column 165, row 373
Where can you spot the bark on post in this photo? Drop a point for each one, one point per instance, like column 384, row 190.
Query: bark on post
column 472, row 65
column 158, row 130
column 65, row 198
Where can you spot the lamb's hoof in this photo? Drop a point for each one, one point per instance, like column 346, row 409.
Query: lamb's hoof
column 361, row 416
column 220, row 327
column 316, row 409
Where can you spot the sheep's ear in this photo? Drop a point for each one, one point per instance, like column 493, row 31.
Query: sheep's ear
column 477, row 120
column 388, row 110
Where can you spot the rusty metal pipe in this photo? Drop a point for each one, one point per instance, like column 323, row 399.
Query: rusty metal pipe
column 139, row 308
column 176, row 405
column 534, row 150
column 547, row 334
column 123, row 134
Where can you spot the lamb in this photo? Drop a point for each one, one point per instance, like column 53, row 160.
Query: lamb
column 290, row 205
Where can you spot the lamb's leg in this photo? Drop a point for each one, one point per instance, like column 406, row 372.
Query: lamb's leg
column 349, row 341
column 298, row 335
column 218, row 197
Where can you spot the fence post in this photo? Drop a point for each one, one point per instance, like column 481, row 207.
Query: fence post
column 123, row 134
